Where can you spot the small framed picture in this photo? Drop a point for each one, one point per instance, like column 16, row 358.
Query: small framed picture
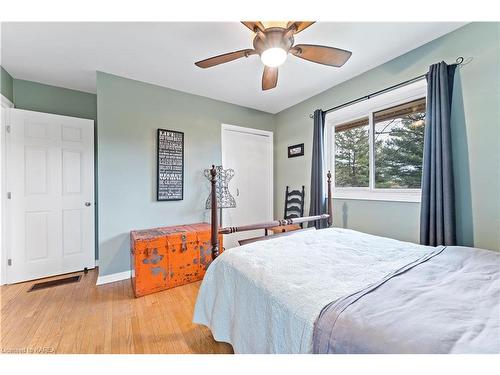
column 296, row 150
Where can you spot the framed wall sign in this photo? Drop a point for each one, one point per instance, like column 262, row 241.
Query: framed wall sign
column 296, row 150
column 170, row 165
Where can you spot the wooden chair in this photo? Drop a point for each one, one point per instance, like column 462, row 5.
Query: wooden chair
column 294, row 208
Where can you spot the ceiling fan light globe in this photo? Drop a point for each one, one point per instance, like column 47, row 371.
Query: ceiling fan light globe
column 273, row 57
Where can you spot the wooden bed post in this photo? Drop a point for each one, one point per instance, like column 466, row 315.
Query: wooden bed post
column 329, row 197
column 214, row 226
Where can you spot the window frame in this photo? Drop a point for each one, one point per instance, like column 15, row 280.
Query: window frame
column 360, row 110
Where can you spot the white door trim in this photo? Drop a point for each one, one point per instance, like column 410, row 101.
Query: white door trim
column 243, row 129
column 265, row 133
column 5, row 105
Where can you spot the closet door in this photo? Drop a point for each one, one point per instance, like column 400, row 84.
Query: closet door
column 250, row 153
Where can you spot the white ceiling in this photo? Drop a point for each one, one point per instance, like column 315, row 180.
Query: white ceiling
column 69, row 54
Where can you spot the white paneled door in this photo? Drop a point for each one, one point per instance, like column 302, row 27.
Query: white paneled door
column 50, row 185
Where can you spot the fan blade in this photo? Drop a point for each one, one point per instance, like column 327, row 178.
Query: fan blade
column 321, row 54
column 221, row 59
column 252, row 25
column 299, row 25
column 269, row 78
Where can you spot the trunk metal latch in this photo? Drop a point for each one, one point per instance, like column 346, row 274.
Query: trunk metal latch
column 184, row 244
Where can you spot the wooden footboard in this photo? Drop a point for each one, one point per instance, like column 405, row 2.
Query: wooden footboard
column 215, row 230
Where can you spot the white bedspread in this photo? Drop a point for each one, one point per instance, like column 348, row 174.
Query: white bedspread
column 264, row 297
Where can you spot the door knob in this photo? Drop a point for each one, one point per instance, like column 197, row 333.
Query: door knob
column 87, row 204
column 237, row 192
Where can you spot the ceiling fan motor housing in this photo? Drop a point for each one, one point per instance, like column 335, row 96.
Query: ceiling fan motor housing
column 274, row 37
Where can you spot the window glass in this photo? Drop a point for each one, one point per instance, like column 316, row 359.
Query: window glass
column 352, row 164
column 399, row 142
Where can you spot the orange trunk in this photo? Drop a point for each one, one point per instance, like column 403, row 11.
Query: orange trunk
column 167, row 257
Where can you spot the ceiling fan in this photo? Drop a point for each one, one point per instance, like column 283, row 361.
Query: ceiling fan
column 273, row 41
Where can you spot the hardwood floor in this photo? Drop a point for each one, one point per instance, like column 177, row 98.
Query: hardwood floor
column 85, row 318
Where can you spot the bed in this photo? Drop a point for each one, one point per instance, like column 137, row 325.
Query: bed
column 340, row 291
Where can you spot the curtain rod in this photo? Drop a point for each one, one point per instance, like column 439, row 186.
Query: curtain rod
column 459, row 61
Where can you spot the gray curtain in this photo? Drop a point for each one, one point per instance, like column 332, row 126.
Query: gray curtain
column 437, row 210
column 317, row 204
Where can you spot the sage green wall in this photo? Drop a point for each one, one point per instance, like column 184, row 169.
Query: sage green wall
column 129, row 114
column 35, row 96
column 476, row 138
column 6, row 83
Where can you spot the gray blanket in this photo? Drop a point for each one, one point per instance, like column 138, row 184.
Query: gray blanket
column 446, row 302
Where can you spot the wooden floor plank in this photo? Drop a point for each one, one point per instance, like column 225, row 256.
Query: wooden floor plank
column 85, row 318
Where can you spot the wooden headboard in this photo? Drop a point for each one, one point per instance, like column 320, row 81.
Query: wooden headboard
column 215, row 230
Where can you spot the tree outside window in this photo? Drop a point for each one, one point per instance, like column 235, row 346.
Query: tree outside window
column 352, row 154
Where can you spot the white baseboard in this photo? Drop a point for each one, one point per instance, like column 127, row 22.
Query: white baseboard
column 106, row 279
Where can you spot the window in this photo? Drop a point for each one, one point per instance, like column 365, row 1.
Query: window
column 376, row 146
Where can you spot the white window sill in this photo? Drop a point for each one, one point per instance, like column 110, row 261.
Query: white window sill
column 412, row 196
